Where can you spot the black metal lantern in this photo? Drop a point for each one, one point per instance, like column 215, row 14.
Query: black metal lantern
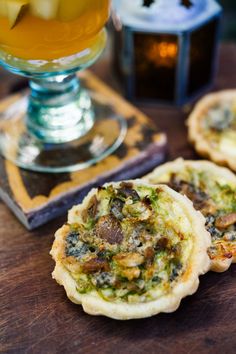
column 167, row 50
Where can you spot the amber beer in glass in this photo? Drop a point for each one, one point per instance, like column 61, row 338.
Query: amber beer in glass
column 39, row 29
column 49, row 41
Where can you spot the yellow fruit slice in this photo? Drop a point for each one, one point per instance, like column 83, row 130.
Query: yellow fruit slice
column 71, row 10
column 12, row 9
column 45, row 9
column 3, row 8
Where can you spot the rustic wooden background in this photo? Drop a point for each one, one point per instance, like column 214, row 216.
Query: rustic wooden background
column 35, row 315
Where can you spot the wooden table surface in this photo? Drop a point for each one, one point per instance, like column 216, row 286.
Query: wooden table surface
column 37, row 317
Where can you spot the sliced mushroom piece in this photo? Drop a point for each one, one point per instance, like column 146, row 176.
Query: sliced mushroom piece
column 126, row 190
column 207, row 208
column 225, row 220
column 162, row 244
column 95, row 265
column 200, row 199
column 149, row 255
column 109, row 229
column 91, row 210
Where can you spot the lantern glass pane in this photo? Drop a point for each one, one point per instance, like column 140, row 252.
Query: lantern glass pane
column 202, row 51
column 155, row 63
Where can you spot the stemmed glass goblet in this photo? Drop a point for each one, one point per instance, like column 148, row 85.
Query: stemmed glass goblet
column 59, row 126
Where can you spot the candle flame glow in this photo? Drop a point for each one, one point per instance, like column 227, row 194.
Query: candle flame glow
column 163, row 53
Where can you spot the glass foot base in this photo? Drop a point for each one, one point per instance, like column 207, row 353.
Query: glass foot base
column 26, row 151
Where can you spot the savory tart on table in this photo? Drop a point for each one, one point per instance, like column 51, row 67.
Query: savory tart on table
column 212, row 189
column 131, row 250
column 212, row 127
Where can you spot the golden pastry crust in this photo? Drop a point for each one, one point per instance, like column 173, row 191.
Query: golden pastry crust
column 223, row 248
column 196, row 241
column 204, row 145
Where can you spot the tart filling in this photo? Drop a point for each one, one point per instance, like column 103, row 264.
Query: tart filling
column 212, row 190
column 131, row 243
column 212, row 127
column 219, row 126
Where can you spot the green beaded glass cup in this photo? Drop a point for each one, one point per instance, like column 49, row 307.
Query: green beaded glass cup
column 59, row 126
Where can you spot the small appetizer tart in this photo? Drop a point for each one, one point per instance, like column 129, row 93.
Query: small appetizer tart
column 212, row 189
column 212, row 127
column 131, row 250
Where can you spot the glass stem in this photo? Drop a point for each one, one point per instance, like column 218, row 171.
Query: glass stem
column 59, row 109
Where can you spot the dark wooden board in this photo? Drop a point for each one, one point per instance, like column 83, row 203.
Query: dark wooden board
column 36, row 316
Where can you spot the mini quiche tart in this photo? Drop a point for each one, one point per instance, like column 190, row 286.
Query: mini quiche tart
column 212, row 127
column 212, row 189
column 131, row 250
